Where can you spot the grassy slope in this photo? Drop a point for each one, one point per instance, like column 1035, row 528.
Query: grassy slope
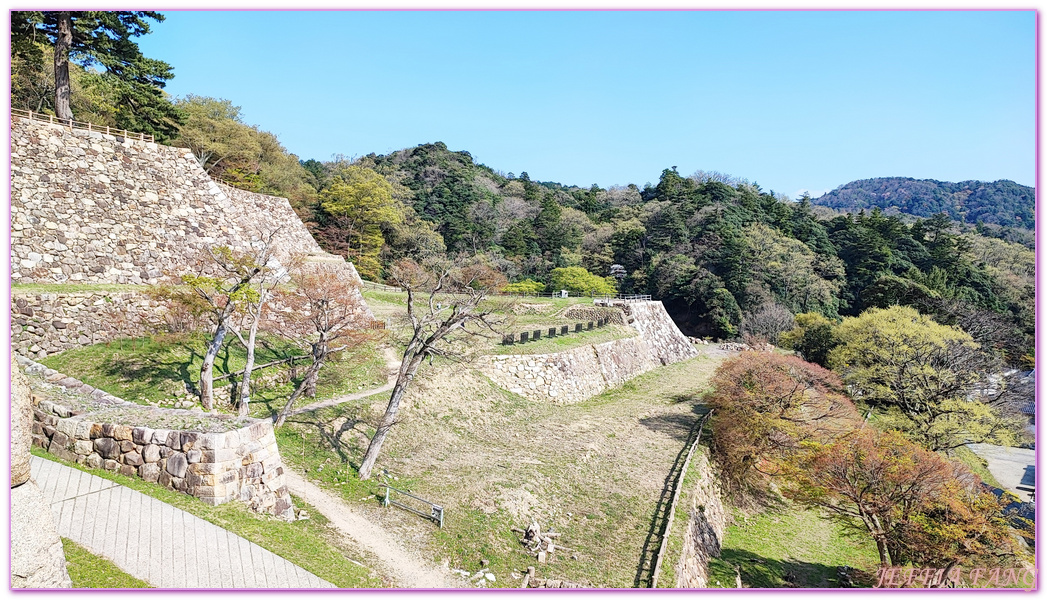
column 796, row 544
column 159, row 369
column 88, row 570
column 494, row 460
column 310, row 543
column 531, row 314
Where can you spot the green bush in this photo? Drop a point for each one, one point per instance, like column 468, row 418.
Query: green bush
column 527, row 286
column 577, row 280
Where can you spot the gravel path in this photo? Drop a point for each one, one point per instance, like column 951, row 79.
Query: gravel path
column 1014, row 468
column 392, row 363
column 403, row 566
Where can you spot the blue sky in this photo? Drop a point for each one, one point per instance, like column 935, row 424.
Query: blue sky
column 790, row 100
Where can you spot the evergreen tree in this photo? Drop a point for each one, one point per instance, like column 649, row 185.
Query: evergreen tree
column 101, row 38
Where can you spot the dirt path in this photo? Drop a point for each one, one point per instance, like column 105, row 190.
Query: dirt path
column 392, row 363
column 405, row 568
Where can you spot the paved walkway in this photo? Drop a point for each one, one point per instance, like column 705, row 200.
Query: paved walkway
column 156, row 542
column 1014, row 468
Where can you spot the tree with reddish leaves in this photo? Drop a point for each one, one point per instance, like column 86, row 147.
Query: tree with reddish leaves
column 766, row 406
column 321, row 312
column 917, row 506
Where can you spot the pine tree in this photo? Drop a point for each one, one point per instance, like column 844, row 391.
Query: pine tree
column 102, row 38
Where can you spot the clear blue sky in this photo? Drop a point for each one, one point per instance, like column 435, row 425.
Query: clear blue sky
column 790, row 100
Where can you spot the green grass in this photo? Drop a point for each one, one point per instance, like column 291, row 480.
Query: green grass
column 547, row 345
column 73, row 288
column 792, row 548
column 310, row 544
column 324, row 445
column 88, row 570
column 159, row 369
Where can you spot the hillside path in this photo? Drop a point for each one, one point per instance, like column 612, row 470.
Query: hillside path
column 392, row 363
column 156, row 542
column 405, row 568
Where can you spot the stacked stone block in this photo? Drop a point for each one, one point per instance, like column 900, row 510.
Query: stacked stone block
column 706, row 526
column 43, row 324
column 90, row 207
column 580, row 373
column 215, row 466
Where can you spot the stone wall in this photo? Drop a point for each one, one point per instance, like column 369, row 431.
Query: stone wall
column 215, row 458
column 46, row 323
column 96, row 208
column 706, row 526
column 587, row 312
column 657, row 327
column 93, row 208
column 580, row 373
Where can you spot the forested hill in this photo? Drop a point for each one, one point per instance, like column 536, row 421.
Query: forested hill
column 1002, row 202
column 721, row 253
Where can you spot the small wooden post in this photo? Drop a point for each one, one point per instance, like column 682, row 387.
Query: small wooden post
column 386, row 501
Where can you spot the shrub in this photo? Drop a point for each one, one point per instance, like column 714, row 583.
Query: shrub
column 527, row 286
column 578, row 280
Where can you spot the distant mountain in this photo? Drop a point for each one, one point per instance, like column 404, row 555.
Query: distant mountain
column 1002, row 202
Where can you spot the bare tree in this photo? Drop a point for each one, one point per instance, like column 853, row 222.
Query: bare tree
column 321, row 312
column 253, row 315
column 218, row 296
column 456, row 294
column 768, row 321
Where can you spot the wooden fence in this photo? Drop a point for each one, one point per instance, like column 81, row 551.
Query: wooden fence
column 28, row 114
column 671, row 511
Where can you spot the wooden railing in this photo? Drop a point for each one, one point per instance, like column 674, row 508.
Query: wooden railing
column 677, row 487
column 28, row 114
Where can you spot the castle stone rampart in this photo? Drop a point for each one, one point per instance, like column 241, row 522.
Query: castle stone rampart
column 95, row 208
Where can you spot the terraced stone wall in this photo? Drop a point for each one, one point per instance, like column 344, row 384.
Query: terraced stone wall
column 95, row 208
column 218, row 460
column 46, row 323
column 706, row 526
column 580, row 373
column 87, row 207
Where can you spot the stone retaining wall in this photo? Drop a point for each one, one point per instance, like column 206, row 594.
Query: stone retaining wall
column 222, row 459
column 706, row 526
column 96, row 208
column 46, row 323
column 587, row 312
column 580, row 373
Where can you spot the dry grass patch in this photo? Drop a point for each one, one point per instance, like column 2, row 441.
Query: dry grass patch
column 592, row 471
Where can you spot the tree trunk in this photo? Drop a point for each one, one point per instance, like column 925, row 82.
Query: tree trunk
column 63, row 41
column 207, row 368
column 885, row 555
column 319, row 356
column 403, row 379
column 245, row 385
